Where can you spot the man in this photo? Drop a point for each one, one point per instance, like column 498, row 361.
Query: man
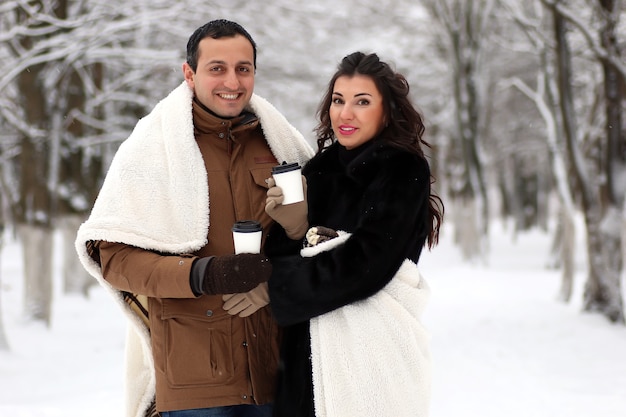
column 202, row 340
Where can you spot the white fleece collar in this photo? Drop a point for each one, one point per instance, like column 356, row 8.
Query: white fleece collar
column 139, row 195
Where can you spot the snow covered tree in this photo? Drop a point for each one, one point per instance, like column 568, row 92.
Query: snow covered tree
column 597, row 171
column 542, row 92
column 33, row 205
column 465, row 26
column 68, row 64
column 588, row 159
column 601, row 177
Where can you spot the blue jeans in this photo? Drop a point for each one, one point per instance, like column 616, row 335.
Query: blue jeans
column 244, row 410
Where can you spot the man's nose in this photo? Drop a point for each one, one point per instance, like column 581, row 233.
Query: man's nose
column 231, row 81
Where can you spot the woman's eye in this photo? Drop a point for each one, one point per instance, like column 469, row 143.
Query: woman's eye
column 337, row 101
column 363, row 102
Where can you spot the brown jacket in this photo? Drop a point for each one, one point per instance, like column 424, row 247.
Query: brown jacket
column 203, row 356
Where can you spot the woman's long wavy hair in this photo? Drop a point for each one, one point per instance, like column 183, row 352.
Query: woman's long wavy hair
column 404, row 128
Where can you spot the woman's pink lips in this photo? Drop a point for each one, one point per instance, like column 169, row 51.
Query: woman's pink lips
column 347, row 130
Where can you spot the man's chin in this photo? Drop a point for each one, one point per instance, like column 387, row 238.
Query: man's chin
column 229, row 112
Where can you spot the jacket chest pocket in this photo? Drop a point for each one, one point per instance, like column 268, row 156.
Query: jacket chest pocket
column 198, row 343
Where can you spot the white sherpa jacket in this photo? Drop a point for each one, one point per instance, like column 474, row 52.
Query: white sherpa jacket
column 134, row 209
column 372, row 357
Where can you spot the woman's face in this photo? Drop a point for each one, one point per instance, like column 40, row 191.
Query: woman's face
column 356, row 110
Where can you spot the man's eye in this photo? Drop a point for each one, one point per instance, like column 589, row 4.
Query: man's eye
column 215, row 69
column 244, row 69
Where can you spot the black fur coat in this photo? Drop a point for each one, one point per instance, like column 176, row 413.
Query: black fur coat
column 377, row 193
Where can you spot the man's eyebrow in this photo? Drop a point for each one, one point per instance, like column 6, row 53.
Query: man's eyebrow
column 221, row 62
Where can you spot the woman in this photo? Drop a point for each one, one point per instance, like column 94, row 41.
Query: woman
column 353, row 344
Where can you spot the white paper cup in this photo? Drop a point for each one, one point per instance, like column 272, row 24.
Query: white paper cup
column 247, row 236
column 289, row 178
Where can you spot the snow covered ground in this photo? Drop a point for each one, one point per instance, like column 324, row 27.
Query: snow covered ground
column 502, row 345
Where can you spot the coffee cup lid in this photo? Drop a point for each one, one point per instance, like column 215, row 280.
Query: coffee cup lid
column 247, row 226
column 285, row 167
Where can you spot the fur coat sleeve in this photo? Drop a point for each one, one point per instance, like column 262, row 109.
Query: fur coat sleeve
column 381, row 198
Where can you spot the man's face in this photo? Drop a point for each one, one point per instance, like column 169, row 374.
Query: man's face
column 224, row 79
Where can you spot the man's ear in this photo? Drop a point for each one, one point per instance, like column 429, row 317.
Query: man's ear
column 189, row 73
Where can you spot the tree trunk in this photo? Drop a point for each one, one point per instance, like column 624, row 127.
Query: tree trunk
column 4, row 342
column 37, row 265
column 567, row 249
column 465, row 23
column 34, row 206
column 466, row 233
column 602, row 289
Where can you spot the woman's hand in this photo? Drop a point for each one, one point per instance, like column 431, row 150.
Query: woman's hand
column 318, row 234
column 292, row 217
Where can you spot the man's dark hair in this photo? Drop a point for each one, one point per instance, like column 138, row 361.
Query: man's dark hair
column 215, row 29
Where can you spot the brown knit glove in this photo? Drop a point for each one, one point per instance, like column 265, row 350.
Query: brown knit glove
column 229, row 273
column 292, row 217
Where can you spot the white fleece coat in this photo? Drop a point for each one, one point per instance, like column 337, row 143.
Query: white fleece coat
column 156, row 173
column 372, row 357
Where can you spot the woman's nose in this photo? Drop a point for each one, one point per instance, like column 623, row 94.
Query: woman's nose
column 346, row 113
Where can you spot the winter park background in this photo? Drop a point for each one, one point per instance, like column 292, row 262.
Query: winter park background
column 525, row 105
